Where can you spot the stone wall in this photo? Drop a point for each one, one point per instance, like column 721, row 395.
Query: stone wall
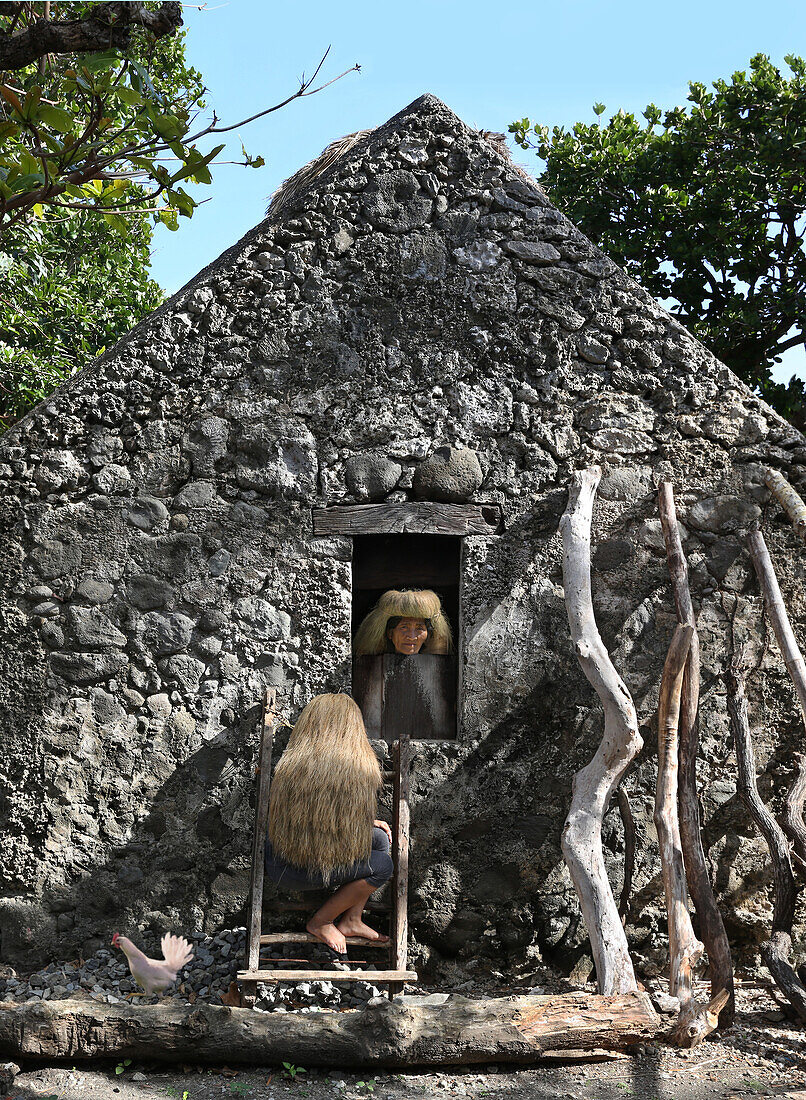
column 159, row 568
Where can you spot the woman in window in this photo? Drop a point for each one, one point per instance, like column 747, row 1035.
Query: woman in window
column 322, row 826
column 409, row 621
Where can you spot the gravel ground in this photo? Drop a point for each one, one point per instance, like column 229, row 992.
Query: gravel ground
column 105, row 977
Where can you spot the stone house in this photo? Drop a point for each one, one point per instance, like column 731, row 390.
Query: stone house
column 413, row 325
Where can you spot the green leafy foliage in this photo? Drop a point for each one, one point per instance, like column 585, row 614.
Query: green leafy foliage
column 291, row 1072
column 78, row 132
column 705, row 205
column 71, row 287
column 121, row 1067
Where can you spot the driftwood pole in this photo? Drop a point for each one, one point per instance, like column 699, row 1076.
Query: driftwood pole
column 712, row 928
column 792, row 821
column 774, row 603
column 594, row 784
column 795, row 665
column 793, row 504
column 695, row 1020
column 775, row 952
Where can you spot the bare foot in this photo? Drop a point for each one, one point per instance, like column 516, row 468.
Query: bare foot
column 328, row 933
column 351, row 927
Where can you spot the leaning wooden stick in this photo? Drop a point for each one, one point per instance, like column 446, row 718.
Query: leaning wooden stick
column 776, row 609
column 796, row 667
column 594, row 784
column 792, row 820
column 711, row 925
column 628, row 823
column 792, row 502
column 775, row 951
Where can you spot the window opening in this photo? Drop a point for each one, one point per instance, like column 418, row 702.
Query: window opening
column 394, row 690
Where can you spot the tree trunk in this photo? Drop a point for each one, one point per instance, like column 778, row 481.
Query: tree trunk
column 594, row 784
column 512, row 1029
column 711, row 925
column 775, row 952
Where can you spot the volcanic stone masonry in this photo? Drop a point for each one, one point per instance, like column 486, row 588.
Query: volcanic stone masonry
column 417, row 322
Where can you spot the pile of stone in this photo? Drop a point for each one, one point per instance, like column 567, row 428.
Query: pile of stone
column 216, row 959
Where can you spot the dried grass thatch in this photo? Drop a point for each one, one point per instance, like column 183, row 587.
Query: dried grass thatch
column 302, row 179
column 325, row 789
column 414, row 603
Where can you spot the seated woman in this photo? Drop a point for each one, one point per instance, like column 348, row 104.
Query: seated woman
column 408, row 621
column 322, row 826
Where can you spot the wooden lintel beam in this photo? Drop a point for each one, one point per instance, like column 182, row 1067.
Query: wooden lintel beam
column 426, row 518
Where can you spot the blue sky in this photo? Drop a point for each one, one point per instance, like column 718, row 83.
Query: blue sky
column 491, row 63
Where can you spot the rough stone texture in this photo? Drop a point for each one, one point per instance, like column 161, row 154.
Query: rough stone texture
column 371, row 477
column 158, row 569
column 448, row 474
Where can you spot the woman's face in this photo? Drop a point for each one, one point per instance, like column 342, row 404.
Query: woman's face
column 409, row 636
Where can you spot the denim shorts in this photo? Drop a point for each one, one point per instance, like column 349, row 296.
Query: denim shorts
column 376, row 870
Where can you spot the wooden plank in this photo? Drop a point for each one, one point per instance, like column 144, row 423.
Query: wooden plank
column 306, row 962
column 400, row 881
column 368, row 692
column 425, row 518
column 416, row 693
column 310, row 905
column 267, row 728
column 419, row 696
column 275, row 975
column 306, row 937
column 519, row 1030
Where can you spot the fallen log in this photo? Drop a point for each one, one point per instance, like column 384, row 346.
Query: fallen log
column 711, row 926
column 389, row 1033
column 594, row 784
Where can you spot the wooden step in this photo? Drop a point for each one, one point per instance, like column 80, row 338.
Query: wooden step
column 311, row 906
column 353, row 962
column 306, row 937
column 372, row 976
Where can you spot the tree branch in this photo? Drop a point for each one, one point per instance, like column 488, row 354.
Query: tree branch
column 106, row 26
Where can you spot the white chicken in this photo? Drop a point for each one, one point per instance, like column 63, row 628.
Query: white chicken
column 155, row 975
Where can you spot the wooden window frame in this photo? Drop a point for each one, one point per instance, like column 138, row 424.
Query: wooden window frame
column 423, row 518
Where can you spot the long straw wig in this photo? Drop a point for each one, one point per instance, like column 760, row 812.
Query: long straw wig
column 325, row 789
column 412, row 603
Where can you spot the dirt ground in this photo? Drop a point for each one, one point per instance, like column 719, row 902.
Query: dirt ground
column 763, row 1054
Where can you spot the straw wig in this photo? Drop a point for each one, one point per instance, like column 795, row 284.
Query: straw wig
column 406, row 604
column 325, row 789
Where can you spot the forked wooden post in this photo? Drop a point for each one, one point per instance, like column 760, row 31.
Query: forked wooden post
column 268, row 725
column 696, row 1019
column 594, row 784
column 712, row 928
column 402, row 822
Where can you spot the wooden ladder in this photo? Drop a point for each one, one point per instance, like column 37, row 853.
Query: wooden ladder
column 397, row 947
